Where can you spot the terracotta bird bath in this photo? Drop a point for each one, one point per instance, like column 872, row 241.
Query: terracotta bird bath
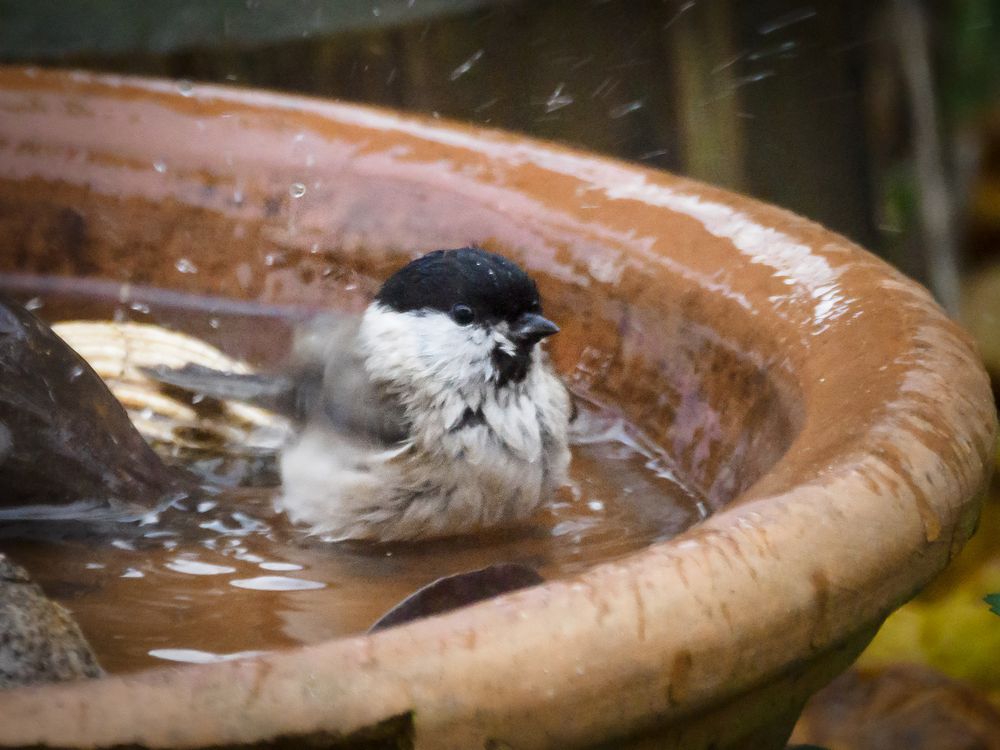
column 838, row 421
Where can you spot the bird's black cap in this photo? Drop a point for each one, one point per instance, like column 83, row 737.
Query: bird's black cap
column 494, row 287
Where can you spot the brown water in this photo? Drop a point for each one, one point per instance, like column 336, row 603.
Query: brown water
column 245, row 580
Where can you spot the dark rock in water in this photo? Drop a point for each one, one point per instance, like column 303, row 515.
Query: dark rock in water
column 39, row 641
column 67, row 448
column 452, row 592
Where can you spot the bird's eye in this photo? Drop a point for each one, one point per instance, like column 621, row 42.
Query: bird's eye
column 462, row 314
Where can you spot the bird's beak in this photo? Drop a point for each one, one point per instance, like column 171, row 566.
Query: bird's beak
column 531, row 328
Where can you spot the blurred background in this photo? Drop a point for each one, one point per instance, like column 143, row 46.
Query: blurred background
column 877, row 118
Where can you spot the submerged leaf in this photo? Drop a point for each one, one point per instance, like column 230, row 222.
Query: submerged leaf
column 452, row 592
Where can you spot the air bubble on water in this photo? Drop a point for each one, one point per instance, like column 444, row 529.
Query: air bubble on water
column 185, row 87
column 197, row 567
column 160, row 166
column 278, row 567
column 297, row 190
column 245, row 525
column 595, row 505
column 185, row 266
column 277, row 583
column 194, row 656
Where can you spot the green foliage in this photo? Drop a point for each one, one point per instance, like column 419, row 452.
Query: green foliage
column 971, row 58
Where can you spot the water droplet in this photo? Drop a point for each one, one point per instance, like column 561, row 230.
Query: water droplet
column 625, row 109
column 185, row 266
column 160, row 166
column 595, row 505
column 297, row 190
column 75, row 372
column 466, row 66
column 185, row 87
column 558, row 100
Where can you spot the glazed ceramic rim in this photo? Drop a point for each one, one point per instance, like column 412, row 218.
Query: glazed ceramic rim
column 671, row 632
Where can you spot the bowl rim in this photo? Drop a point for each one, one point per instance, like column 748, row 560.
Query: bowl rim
column 744, row 599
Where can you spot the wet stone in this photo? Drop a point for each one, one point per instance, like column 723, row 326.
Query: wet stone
column 39, row 641
column 67, row 448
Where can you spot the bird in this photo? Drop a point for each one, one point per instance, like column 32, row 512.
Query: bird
column 436, row 413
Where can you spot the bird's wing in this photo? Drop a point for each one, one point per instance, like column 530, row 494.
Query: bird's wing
column 352, row 402
column 272, row 391
column 325, row 379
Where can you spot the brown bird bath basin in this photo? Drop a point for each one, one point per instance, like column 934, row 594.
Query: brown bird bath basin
column 838, row 423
